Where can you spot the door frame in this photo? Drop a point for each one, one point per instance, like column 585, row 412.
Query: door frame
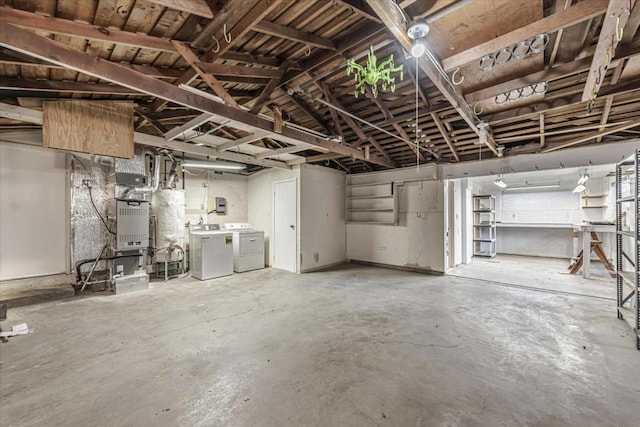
column 273, row 223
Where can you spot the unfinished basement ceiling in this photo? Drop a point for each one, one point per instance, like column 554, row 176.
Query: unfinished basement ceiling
column 252, row 54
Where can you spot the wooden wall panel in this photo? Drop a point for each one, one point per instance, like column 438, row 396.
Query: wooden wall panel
column 95, row 127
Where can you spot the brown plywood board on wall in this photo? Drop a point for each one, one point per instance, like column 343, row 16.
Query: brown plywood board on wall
column 95, row 127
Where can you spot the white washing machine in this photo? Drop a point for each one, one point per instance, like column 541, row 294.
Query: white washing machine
column 210, row 251
column 248, row 247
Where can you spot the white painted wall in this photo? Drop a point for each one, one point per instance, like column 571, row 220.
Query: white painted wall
column 33, row 211
column 418, row 240
column 322, row 217
column 260, row 203
column 200, row 199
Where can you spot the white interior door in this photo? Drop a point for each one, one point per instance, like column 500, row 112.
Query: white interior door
column 285, row 225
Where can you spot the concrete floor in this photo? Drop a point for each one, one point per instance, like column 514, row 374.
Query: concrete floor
column 354, row 346
column 549, row 274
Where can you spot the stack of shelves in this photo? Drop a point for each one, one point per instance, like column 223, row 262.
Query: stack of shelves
column 372, row 203
column 484, row 226
column 594, row 201
column 628, row 241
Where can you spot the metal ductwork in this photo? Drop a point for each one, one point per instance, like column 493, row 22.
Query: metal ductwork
column 155, row 179
column 173, row 173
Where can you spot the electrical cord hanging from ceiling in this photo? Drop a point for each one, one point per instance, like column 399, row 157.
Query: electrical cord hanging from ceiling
column 104, row 222
column 417, row 141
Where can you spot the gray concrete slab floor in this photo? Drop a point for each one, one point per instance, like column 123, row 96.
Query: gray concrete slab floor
column 540, row 273
column 353, row 346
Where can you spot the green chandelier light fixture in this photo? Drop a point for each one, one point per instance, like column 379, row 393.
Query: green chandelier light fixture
column 372, row 74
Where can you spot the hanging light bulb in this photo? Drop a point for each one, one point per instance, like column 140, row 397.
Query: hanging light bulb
column 416, row 31
column 583, row 179
column 418, row 48
column 579, row 188
column 499, row 182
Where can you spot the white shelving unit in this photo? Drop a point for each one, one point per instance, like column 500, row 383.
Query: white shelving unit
column 372, row 203
column 628, row 242
column 484, row 226
column 594, row 201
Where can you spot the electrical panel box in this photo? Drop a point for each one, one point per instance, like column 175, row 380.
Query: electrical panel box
column 132, row 224
column 221, row 205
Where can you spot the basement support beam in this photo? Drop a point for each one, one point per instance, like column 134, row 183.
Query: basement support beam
column 35, row 117
column 575, row 14
column 40, row 47
column 194, row 7
column 445, row 135
column 67, row 27
column 193, row 60
column 614, row 23
column 237, row 27
column 394, row 20
column 621, row 127
column 288, row 33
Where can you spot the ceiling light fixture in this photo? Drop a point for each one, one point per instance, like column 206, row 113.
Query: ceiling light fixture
column 499, row 182
column 213, row 165
column 579, row 188
column 533, row 187
column 416, row 31
column 583, row 179
column 482, row 133
column 418, row 49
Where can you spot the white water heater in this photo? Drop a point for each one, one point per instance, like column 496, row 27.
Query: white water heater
column 168, row 208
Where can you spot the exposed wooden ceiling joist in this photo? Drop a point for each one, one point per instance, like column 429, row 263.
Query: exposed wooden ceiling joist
column 35, row 117
column 195, row 7
column 277, row 30
column 614, row 22
column 29, row 43
column 226, row 29
column 209, row 79
column 565, row 18
column 76, row 29
column 394, row 20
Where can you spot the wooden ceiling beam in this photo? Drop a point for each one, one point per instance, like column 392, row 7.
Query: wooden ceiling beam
column 573, row 15
column 285, row 150
column 247, row 58
column 445, row 135
column 312, row 114
column 614, row 22
column 558, row 72
column 231, row 13
column 67, row 27
column 564, row 103
column 262, row 99
column 7, row 83
column 389, row 116
column 194, row 7
column 623, row 126
column 40, row 47
column 237, row 22
column 361, row 8
column 352, row 124
column 238, row 70
column 35, row 117
column 609, row 101
column 245, row 140
column 394, row 20
column 289, row 33
column 209, row 79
